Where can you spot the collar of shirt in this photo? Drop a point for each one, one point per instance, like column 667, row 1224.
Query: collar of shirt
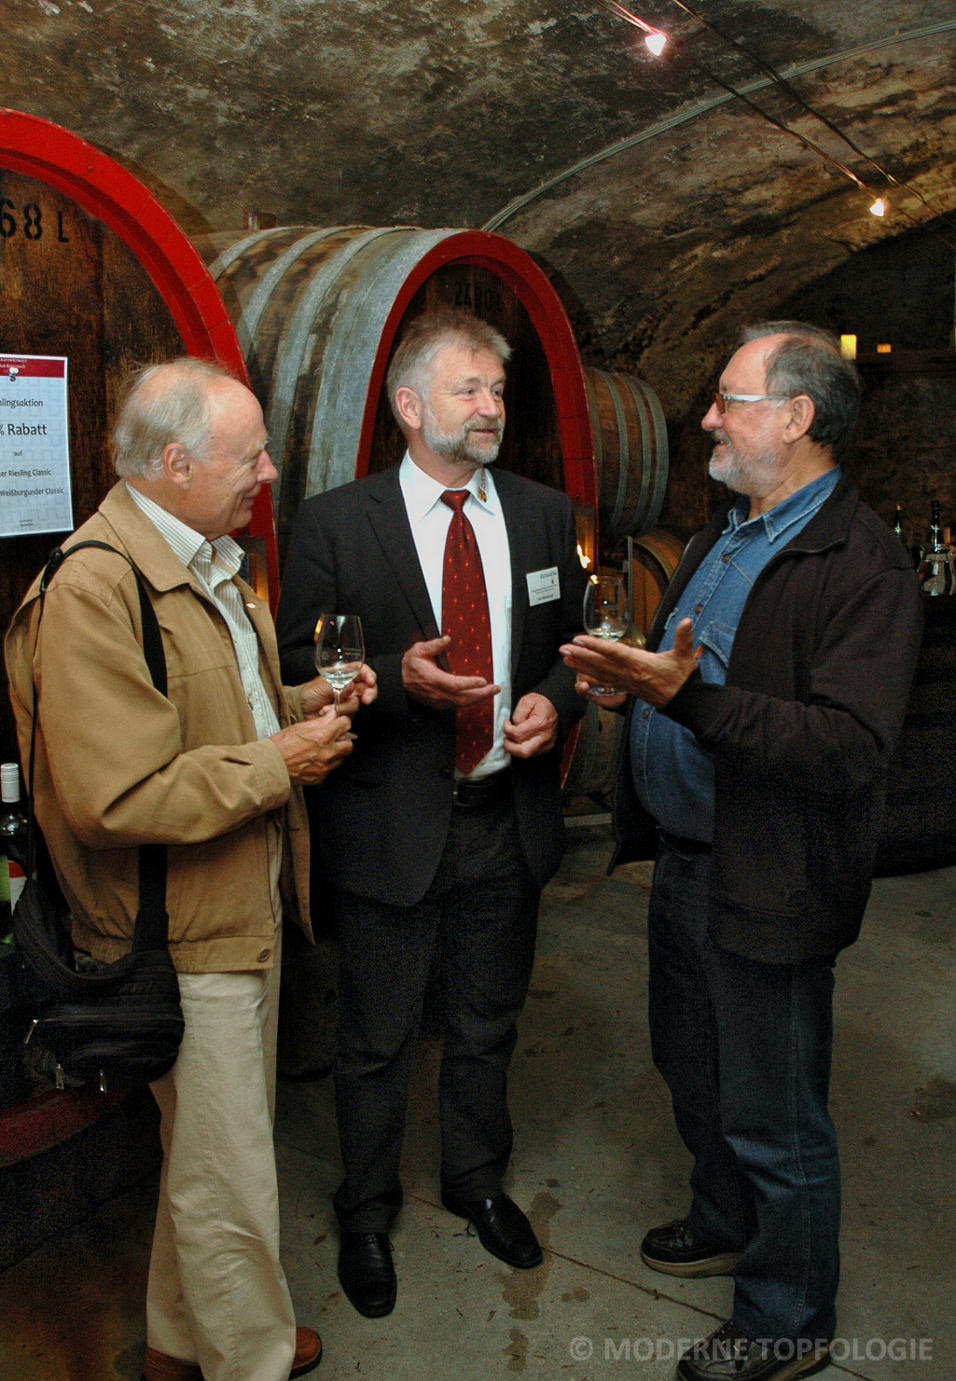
column 797, row 507
column 422, row 492
column 222, row 555
column 214, row 564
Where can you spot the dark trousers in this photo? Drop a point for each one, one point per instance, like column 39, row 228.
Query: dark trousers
column 745, row 1051
column 476, row 925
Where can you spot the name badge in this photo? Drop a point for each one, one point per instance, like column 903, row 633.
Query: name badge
column 543, row 586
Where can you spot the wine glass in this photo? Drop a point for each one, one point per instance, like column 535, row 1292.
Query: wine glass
column 339, row 650
column 606, row 613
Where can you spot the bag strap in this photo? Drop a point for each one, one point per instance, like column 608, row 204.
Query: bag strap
column 151, row 929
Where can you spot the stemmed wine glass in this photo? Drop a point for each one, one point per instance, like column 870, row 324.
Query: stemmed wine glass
column 606, row 613
column 339, row 650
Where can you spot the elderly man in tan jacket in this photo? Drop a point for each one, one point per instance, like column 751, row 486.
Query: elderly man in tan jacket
column 213, row 770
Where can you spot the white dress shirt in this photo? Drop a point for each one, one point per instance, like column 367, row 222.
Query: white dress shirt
column 430, row 519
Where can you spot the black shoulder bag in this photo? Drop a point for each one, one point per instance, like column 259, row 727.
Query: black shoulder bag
column 117, row 1024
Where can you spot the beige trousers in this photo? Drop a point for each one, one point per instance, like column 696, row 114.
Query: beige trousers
column 217, row 1294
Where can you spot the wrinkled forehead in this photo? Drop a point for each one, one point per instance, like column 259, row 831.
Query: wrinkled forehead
column 456, row 364
column 746, row 370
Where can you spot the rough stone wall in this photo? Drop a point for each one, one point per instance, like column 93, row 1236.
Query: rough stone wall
column 904, row 448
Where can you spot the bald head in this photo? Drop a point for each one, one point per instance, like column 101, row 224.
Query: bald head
column 192, row 437
column 163, row 403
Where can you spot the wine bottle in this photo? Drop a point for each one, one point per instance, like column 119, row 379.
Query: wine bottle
column 13, row 846
column 937, row 575
column 898, row 524
column 935, row 542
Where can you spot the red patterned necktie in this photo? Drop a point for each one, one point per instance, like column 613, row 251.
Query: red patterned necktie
column 464, row 612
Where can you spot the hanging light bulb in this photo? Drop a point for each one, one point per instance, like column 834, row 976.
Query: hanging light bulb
column 878, row 208
column 653, row 38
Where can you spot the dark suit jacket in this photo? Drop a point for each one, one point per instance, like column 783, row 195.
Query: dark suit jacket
column 381, row 819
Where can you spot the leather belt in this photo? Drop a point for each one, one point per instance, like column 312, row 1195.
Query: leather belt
column 683, row 846
column 485, row 791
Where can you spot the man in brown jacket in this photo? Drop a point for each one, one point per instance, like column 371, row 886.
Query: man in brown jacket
column 213, row 770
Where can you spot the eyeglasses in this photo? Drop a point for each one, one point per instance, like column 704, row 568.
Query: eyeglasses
column 722, row 399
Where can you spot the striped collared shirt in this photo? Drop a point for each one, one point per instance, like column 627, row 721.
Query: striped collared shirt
column 214, row 564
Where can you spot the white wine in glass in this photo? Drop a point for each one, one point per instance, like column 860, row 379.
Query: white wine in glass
column 339, row 650
column 606, row 613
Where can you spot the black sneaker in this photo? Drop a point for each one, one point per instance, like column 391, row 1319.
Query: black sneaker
column 729, row 1355
column 678, row 1251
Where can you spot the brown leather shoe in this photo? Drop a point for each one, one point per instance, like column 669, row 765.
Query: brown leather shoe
column 159, row 1366
column 308, row 1351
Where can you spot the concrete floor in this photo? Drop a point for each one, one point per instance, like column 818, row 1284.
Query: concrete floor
column 596, row 1162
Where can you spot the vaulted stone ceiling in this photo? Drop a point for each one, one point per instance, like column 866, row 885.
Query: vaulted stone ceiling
column 664, row 206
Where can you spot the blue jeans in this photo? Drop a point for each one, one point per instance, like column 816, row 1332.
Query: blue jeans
column 745, row 1050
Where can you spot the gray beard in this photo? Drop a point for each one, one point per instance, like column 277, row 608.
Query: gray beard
column 455, row 446
column 728, row 473
column 742, row 477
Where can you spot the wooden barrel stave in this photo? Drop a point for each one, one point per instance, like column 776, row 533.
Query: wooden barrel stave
column 655, row 558
column 592, row 769
column 631, row 453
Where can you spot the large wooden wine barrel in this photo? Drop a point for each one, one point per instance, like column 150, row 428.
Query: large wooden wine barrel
column 94, row 269
column 655, row 555
column 631, row 453
column 318, row 312
column 593, row 767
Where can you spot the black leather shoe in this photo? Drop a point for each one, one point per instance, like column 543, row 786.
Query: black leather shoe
column 366, row 1272
column 502, row 1228
column 729, row 1355
column 677, row 1251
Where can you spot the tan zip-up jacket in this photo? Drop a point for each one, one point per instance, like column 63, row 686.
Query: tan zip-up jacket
column 118, row 764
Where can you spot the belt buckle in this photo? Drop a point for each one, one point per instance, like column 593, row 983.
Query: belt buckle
column 461, row 790
column 468, row 793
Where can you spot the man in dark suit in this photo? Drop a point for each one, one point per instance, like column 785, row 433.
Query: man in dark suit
column 438, row 842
